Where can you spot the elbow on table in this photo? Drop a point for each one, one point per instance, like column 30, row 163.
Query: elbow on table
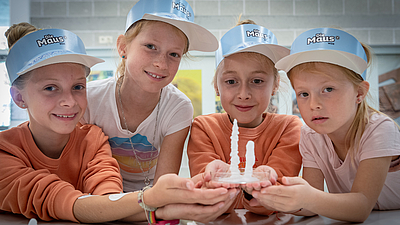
column 360, row 218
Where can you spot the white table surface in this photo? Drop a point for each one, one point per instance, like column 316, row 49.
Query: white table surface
column 242, row 216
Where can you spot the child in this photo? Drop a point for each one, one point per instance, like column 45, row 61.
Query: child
column 245, row 80
column 52, row 168
column 146, row 118
column 354, row 147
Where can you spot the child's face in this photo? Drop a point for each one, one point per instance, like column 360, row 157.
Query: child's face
column 55, row 96
column 245, row 86
column 153, row 56
column 326, row 98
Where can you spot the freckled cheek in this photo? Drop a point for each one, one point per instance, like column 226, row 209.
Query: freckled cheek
column 174, row 66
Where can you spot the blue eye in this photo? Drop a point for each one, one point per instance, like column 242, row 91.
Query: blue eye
column 328, row 89
column 50, row 88
column 150, row 46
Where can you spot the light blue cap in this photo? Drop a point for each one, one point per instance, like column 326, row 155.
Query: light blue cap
column 326, row 45
column 177, row 13
column 45, row 47
column 250, row 38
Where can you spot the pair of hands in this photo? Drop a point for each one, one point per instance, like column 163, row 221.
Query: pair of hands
column 288, row 197
column 266, row 174
column 188, row 199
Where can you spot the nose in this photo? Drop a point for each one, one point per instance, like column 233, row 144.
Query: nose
column 161, row 62
column 244, row 92
column 315, row 103
column 67, row 99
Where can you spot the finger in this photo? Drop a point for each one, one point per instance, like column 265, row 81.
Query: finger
column 254, row 202
column 198, row 184
column 265, row 184
column 292, row 180
column 203, row 196
column 173, row 181
column 273, row 190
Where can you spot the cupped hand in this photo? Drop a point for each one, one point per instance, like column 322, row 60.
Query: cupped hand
column 211, row 173
column 291, row 196
column 170, row 188
column 267, row 176
column 196, row 212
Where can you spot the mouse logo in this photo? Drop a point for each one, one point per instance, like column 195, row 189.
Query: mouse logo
column 322, row 38
column 49, row 39
column 181, row 7
column 257, row 33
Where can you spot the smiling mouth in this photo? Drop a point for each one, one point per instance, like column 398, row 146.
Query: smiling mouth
column 153, row 75
column 243, row 108
column 65, row 116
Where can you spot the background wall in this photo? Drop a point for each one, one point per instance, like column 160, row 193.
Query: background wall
column 99, row 22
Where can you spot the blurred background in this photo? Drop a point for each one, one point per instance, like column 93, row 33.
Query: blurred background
column 99, row 22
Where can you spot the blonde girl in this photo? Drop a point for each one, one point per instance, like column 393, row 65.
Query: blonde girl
column 354, row 147
column 146, row 118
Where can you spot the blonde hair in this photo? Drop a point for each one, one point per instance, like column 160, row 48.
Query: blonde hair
column 130, row 34
column 13, row 34
column 364, row 111
column 17, row 31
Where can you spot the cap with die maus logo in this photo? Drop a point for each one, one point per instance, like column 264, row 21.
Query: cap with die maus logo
column 327, row 45
column 250, row 38
column 177, row 13
column 45, row 47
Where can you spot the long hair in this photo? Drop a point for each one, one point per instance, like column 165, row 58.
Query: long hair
column 364, row 111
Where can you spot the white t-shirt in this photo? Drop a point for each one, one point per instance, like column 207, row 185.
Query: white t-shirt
column 381, row 138
column 175, row 113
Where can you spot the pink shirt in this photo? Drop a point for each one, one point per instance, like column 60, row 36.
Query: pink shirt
column 380, row 139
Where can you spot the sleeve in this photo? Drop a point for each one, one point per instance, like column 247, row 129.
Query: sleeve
column 201, row 148
column 380, row 140
column 102, row 175
column 180, row 118
column 34, row 193
column 306, row 150
column 285, row 159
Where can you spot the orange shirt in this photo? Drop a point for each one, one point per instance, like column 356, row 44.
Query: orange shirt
column 276, row 142
column 35, row 185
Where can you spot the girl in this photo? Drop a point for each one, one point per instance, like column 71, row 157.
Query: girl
column 354, row 147
column 54, row 168
column 245, row 80
column 146, row 118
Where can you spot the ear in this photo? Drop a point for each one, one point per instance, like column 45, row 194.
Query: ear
column 362, row 90
column 216, row 91
column 121, row 45
column 276, row 84
column 17, row 97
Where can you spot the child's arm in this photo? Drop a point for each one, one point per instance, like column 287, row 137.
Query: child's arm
column 285, row 157
column 204, row 146
column 170, row 189
column 354, row 206
column 169, row 160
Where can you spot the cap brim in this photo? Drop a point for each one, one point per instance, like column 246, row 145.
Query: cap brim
column 344, row 59
column 273, row 52
column 85, row 60
column 200, row 39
